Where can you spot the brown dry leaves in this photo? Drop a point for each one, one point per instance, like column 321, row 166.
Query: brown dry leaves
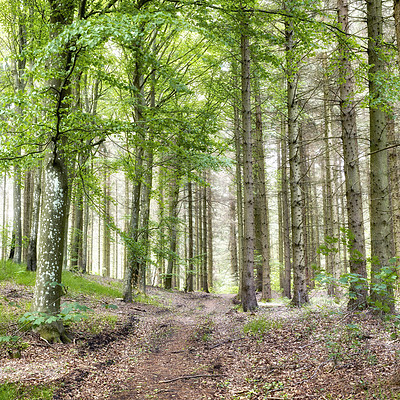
column 194, row 348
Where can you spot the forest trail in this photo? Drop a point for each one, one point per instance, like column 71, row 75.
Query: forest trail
column 179, row 362
column 194, row 346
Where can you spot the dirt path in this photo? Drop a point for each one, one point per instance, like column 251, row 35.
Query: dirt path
column 163, row 353
column 179, row 362
column 193, row 347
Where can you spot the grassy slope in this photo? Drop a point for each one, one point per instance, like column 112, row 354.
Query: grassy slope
column 75, row 284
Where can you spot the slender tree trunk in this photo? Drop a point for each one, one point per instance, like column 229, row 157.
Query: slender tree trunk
column 233, row 242
column 239, row 194
column 261, row 193
column 328, row 212
column 287, row 286
column 248, row 294
column 31, row 262
column 205, row 238
column 382, row 249
column 4, row 232
column 210, row 255
column 28, row 201
column 173, row 229
column 106, row 242
column 300, row 295
column 190, row 273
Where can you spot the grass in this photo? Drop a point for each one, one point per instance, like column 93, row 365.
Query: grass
column 75, row 283
column 260, row 326
column 13, row 391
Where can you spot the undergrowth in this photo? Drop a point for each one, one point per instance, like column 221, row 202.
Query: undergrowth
column 13, row 391
column 260, row 326
column 73, row 282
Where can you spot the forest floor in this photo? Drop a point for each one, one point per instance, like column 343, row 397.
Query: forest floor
column 194, row 346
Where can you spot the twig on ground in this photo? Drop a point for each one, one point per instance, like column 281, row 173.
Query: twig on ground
column 190, row 377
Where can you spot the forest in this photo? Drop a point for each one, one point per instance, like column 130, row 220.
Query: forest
column 232, row 165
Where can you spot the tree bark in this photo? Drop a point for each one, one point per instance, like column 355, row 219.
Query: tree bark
column 262, row 201
column 380, row 207
column 190, row 272
column 31, row 262
column 300, row 295
column 248, row 294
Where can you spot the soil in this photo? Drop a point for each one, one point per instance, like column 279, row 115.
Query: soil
column 194, row 346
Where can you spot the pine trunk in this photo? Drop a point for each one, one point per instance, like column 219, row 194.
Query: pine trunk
column 248, row 294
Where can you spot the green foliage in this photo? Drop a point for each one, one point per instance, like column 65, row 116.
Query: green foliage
column 70, row 312
column 13, row 391
column 72, row 282
column 81, row 284
column 258, row 327
column 10, row 271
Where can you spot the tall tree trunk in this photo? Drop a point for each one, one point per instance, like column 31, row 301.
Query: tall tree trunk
column 205, row 238
column 262, row 200
column 173, row 229
column 380, row 208
column 300, row 295
column 248, row 294
column 48, row 289
column 17, row 225
column 31, row 262
column 328, row 211
column 4, row 231
column 239, row 193
column 287, row 286
column 106, row 239
column 190, row 273
column 28, row 201
column 233, row 242
column 210, row 254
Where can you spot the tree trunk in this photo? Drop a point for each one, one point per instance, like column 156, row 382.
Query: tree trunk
column 48, row 289
column 262, row 200
column 239, row 194
column 328, row 211
column 189, row 282
column 210, row 257
column 248, row 294
column 287, row 286
column 300, row 295
column 233, row 242
column 173, row 229
column 31, row 262
column 380, row 208
column 28, row 201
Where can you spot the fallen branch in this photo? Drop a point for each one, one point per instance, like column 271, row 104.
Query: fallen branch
column 224, row 342
column 190, row 377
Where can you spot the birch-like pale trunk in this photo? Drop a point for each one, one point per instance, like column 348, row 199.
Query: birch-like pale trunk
column 300, row 295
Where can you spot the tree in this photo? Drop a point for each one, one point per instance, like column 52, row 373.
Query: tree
column 248, row 293
column 355, row 236
column 300, row 295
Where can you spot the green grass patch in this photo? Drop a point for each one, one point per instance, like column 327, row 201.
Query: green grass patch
column 14, row 391
column 145, row 299
column 97, row 323
column 17, row 273
column 75, row 283
column 260, row 326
